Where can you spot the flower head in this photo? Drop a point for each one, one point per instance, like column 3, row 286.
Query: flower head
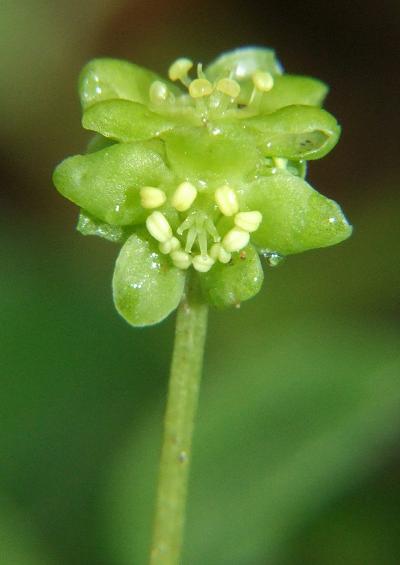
column 202, row 172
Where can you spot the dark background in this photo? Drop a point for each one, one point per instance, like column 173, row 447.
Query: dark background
column 297, row 451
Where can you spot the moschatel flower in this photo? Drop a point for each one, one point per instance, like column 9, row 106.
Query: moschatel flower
column 200, row 174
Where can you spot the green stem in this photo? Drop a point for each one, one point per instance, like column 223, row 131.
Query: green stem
column 186, row 368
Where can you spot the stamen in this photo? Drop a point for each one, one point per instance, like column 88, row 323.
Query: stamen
column 203, row 264
column 158, row 226
column 280, row 162
column 179, row 70
column 181, row 259
column 217, row 252
column 200, row 87
column 235, row 240
column 159, row 92
column 214, row 251
column 226, row 200
column 263, row 81
column 248, row 221
column 200, row 72
column 229, row 87
column 151, row 197
column 184, row 196
column 169, row 246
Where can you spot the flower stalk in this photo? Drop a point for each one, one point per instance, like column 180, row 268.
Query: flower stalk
column 183, row 393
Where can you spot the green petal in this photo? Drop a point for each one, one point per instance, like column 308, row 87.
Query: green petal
column 107, row 183
column 89, row 225
column 292, row 89
column 146, row 287
column 231, row 284
column 241, row 64
column 195, row 154
column 296, row 132
column 124, row 121
column 104, row 79
column 295, row 216
column 97, row 143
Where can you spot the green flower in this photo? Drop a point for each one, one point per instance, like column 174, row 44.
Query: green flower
column 202, row 177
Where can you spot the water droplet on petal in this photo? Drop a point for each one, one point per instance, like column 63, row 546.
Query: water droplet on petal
column 273, row 258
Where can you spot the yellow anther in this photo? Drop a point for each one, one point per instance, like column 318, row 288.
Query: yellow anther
column 226, row 200
column 203, row 263
column 229, row 87
column 158, row 226
column 235, row 240
column 184, row 196
column 152, row 197
column 158, row 92
column 280, row 162
column 214, row 251
column 248, row 221
column 181, row 259
column 170, row 245
column 200, row 87
column 263, row 81
column 218, row 253
column 179, row 69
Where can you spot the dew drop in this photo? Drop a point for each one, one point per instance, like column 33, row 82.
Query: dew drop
column 273, row 258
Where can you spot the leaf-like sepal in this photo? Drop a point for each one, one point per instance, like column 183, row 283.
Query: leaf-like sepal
column 124, row 121
column 106, row 183
column 296, row 132
column 104, row 79
column 194, row 154
column 89, row 225
column 146, row 287
column 231, row 284
column 292, row 89
column 98, row 142
column 295, row 216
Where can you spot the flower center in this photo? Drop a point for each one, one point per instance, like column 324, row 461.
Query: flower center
column 210, row 98
column 197, row 241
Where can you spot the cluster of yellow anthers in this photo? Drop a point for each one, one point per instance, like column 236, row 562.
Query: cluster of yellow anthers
column 201, row 87
column 199, row 226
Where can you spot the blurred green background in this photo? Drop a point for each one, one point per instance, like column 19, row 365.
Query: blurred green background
column 297, row 449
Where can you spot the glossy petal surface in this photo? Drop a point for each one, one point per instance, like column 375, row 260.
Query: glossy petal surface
column 107, row 183
column 231, row 284
column 146, row 287
column 296, row 132
column 241, row 64
column 104, row 79
column 124, row 121
column 195, row 154
column 293, row 89
column 295, row 216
